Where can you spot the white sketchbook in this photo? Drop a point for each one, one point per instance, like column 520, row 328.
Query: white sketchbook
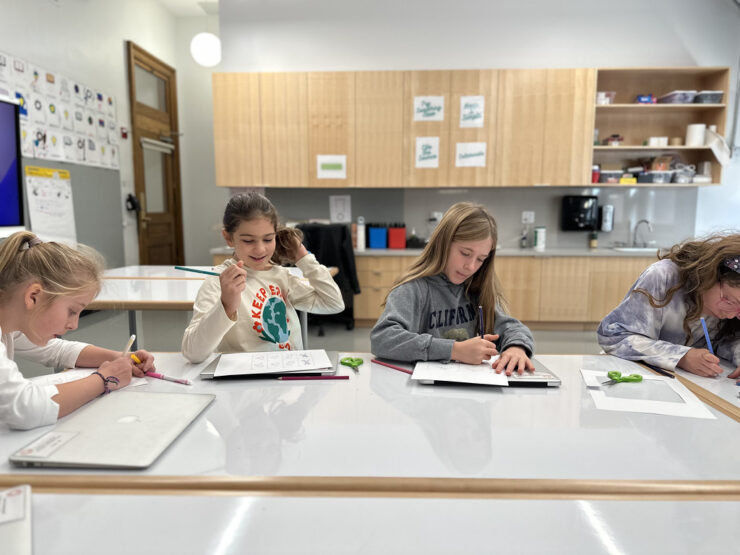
column 15, row 520
column 273, row 362
column 483, row 373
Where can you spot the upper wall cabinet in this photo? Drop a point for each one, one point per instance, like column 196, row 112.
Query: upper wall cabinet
column 284, row 122
column 545, row 127
column 379, row 128
column 236, row 129
column 331, row 129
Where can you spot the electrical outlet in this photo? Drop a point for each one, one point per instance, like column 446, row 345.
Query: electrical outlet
column 527, row 217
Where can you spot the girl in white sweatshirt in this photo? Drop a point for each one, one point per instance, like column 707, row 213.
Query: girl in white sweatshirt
column 251, row 305
column 43, row 288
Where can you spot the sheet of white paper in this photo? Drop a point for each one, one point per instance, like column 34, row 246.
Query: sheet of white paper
column 427, row 152
column 49, row 194
column 77, row 374
column 331, row 166
column 608, row 397
column 13, row 503
column 458, row 372
column 429, row 108
column 272, row 362
column 470, row 155
column 472, row 110
column 340, row 209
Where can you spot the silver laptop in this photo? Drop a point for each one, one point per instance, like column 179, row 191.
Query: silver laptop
column 542, row 376
column 128, row 429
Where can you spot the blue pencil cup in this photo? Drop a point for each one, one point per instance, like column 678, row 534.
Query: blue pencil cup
column 378, row 237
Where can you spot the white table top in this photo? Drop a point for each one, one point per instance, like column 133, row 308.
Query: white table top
column 379, row 424
column 151, row 294
column 83, row 524
column 155, row 272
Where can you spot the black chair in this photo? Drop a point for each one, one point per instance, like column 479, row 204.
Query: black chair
column 331, row 244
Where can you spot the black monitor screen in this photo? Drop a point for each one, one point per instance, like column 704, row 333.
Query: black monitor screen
column 11, row 201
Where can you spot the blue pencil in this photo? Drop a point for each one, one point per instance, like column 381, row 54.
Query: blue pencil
column 480, row 321
column 197, row 271
column 706, row 335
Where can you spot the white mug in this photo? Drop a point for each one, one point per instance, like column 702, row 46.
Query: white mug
column 695, row 133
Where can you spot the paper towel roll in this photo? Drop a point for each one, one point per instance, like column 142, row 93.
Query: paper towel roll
column 695, row 134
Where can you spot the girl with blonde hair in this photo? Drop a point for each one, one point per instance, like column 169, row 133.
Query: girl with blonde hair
column 659, row 319
column 432, row 313
column 44, row 286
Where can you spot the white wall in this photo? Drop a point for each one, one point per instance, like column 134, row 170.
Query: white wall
column 85, row 40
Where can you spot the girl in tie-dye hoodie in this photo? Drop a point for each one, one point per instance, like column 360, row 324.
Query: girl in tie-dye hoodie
column 658, row 321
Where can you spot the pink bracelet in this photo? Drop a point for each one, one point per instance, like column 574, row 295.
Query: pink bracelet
column 107, row 381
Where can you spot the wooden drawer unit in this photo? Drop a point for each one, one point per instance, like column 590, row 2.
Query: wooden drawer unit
column 376, row 275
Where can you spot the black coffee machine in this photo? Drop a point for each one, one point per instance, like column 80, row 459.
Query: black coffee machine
column 579, row 213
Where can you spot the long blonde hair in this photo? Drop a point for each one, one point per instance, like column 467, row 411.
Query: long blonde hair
column 463, row 221
column 59, row 269
column 700, row 267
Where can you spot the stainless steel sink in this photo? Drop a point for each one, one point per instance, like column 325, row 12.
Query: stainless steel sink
column 644, row 250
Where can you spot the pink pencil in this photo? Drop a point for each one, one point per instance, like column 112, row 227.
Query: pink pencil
column 167, row 378
column 376, row 361
column 313, row 378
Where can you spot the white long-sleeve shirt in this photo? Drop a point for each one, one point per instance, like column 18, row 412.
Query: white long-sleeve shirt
column 266, row 318
column 26, row 403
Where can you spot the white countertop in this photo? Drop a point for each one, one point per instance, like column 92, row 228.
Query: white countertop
column 607, row 252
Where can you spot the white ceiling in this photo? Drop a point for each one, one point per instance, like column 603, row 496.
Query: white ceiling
column 190, row 8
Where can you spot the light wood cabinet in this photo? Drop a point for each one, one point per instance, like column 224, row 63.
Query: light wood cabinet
column 379, row 128
column 331, row 123
column 284, row 123
column 544, row 127
column 548, row 290
column 427, row 83
column 236, row 129
column 483, row 82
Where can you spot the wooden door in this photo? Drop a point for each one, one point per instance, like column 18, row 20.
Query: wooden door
column 379, row 108
column 153, row 97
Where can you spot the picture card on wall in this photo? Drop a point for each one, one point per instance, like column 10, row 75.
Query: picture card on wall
column 26, row 140
column 92, row 156
column 470, row 155
column 38, row 136
column 100, row 101
column 80, row 148
column 51, row 87
column 429, row 108
column 6, row 74
column 110, row 107
column 54, row 144
column 472, row 111
column 66, row 116
column 427, row 152
column 69, row 147
column 78, row 94
column 53, row 117
column 35, row 78
column 101, row 129
column 37, row 108
column 89, row 96
column 113, row 157
column 90, row 123
column 21, row 97
column 20, row 74
column 112, row 131
column 331, row 166
column 64, row 88
column 6, row 91
column 78, row 120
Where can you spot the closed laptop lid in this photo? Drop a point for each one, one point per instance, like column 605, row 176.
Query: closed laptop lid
column 128, row 429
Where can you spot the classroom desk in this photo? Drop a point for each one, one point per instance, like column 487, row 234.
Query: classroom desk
column 133, row 288
column 378, row 433
column 143, row 524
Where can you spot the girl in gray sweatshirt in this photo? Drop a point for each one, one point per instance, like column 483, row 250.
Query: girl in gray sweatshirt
column 433, row 312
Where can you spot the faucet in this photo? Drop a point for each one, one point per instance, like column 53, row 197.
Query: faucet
column 634, row 237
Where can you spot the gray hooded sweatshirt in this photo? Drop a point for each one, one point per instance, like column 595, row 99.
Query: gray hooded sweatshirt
column 424, row 317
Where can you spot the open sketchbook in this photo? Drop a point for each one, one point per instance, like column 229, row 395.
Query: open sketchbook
column 15, row 520
column 482, row 374
column 274, row 363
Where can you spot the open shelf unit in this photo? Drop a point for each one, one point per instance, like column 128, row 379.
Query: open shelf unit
column 637, row 122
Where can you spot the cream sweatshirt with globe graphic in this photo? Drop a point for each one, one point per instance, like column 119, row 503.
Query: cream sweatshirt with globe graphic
column 266, row 319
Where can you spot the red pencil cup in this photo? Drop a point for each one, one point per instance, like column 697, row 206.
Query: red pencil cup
column 396, row 237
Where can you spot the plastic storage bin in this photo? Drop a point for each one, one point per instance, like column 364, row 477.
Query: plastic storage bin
column 396, row 237
column 377, row 237
column 610, row 176
column 709, row 97
column 677, row 97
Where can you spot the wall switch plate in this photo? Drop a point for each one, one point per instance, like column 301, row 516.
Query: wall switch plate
column 527, row 217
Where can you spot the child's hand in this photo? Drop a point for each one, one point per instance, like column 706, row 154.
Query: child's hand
column 121, row 368
column 735, row 373
column 701, row 362
column 297, row 250
column 475, row 350
column 233, row 281
column 513, row 359
column 146, row 364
